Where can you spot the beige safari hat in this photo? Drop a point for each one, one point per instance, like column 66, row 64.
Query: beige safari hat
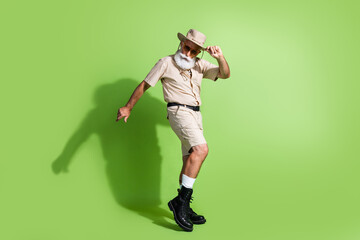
column 195, row 36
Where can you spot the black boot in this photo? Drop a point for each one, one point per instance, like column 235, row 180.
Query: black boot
column 180, row 208
column 194, row 217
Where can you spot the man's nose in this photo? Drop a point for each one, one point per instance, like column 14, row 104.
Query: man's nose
column 188, row 54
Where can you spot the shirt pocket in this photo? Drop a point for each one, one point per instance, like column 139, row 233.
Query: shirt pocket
column 197, row 78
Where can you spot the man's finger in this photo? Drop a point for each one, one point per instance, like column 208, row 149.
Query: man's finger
column 125, row 119
column 119, row 117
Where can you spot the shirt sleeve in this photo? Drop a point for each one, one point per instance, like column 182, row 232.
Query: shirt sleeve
column 156, row 73
column 210, row 71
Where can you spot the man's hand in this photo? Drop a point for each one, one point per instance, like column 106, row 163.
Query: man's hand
column 138, row 92
column 123, row 112
column 214, row 51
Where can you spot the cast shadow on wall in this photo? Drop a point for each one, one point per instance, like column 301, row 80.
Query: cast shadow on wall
column 131, row 150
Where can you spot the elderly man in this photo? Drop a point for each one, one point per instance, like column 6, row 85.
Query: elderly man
column 181, row 75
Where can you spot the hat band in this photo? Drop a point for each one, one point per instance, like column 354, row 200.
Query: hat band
column 198, row 43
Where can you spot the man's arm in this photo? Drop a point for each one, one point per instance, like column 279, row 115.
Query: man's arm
column 138, row 92
column 216, row 53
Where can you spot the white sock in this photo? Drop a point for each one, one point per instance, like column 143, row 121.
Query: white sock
column 187, row 182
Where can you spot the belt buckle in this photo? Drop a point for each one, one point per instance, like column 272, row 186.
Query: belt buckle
column 189, row 107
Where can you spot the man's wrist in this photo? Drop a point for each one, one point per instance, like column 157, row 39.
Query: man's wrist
column 129, row 106
column 220, row 58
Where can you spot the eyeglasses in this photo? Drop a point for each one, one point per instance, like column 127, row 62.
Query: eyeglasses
column 192, row 51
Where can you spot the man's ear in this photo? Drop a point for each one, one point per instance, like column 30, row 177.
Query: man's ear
column 180, row 45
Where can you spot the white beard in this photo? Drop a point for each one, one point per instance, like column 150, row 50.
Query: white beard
column 183, row 61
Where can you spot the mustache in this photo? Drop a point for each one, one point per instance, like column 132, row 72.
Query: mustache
column 183, row 56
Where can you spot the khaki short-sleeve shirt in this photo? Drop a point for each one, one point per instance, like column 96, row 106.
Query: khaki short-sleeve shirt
column 179, row 85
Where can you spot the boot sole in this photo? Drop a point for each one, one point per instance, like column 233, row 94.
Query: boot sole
column 176, row 220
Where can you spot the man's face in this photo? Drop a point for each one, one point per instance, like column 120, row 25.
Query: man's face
column 190, row 49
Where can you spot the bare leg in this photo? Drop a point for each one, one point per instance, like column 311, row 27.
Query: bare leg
column 193, row 163
column 191, row 167
column 184, row 158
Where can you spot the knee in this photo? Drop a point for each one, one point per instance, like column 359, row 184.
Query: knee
column 205, row 150
column 201, row 151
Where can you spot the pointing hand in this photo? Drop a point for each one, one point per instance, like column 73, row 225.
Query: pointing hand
column 123, row 112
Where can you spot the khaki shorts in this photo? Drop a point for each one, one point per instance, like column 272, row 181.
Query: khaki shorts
column 187, row 124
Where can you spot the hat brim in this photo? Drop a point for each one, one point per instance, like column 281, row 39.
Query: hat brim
column 182, row 38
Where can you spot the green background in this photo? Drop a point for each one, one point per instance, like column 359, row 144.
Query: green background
column 283, row 130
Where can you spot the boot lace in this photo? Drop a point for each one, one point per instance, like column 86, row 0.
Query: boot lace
column 190, row 209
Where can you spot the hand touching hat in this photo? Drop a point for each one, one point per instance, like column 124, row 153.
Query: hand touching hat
column 214, row 51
